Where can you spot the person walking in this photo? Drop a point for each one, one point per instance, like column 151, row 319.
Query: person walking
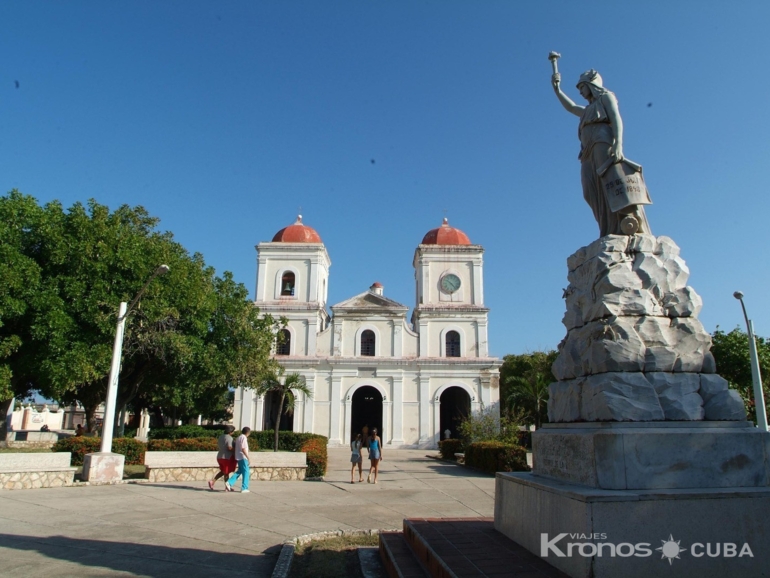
column 356, row 459
column 225, row 457
column 375, row 455
column 242, row 457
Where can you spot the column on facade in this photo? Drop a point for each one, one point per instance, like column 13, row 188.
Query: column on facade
column 348, row 418
column 398, row 410
column 425, row 435
column 245, row 417
column 424, row 337
column 483, row 336
column 259, row 417
column 387, row 415
column 485, row 389
column 307, row 425
column 336, row 403
column 478, row 284
column 437, row 420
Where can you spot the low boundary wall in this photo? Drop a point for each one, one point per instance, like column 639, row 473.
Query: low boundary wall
column 20, row 471
column 202, row 466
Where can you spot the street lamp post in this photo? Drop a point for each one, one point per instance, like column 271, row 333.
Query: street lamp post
column 103, row 466
column 756, row 376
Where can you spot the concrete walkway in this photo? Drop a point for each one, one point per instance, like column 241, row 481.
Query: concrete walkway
column 185, row 530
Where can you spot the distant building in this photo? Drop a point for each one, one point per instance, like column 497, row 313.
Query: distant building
column 367, row 365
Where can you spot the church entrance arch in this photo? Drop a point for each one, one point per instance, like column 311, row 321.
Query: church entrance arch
column 366, row 411
column 455, row 406
column 271, row 413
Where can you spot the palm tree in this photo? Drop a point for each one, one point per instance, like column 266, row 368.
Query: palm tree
column 529, row 394
column 293, row 383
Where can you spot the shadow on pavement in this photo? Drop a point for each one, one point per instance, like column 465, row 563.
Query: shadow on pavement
column 141, row 559
column 457, row 470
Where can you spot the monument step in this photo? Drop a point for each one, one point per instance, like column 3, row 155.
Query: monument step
column 468, row 547
column 397, row 558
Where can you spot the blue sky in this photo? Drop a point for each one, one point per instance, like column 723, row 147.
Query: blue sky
column 376, row 117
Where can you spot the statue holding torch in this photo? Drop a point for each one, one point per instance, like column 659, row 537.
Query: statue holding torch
column 613, row 185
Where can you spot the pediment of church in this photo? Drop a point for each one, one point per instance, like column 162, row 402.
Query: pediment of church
column 371, row 302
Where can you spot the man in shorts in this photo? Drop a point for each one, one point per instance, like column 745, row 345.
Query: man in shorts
column 225, row 457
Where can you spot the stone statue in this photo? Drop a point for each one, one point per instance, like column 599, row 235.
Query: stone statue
column 612, row 185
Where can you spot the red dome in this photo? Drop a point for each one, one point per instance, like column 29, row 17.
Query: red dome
column 297, row 233
column 445, row 235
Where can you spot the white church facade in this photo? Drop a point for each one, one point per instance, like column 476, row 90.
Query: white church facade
column 366, row 363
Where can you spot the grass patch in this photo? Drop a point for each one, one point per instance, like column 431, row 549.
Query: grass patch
column 24, row 450
column 134, row 472
column 330, row 558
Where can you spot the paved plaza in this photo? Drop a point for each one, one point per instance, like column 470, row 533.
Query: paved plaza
column 183, row 529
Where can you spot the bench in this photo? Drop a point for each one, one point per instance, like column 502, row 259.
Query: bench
column 202, row 466
column 31, row 439
column 35, row 470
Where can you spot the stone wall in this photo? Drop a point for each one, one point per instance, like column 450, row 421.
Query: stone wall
column 190, row 474
column 30, row 480
column 31, row 439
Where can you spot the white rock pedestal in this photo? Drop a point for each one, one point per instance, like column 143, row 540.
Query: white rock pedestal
column 103, row 467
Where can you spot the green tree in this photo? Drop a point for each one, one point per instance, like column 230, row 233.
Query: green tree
column 191, row 337
column 287, row 389
column 524, row 381
column 731, row 352
column 19, row 283
column 488, row 425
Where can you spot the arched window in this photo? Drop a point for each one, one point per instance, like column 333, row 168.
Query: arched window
column 287, row 283
column 284, row 343
column 367, row 343
column 452, row 344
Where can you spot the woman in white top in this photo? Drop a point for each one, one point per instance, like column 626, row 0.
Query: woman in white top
column 356, row 458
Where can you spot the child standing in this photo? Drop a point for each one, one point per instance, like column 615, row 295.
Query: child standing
column 356, row 458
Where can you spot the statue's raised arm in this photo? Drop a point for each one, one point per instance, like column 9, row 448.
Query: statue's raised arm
column 612, row 185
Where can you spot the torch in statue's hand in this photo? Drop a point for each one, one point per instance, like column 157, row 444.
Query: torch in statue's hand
column 556, row 78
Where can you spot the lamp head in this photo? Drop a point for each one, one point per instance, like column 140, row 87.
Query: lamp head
column 738, row 295
column 162, row 270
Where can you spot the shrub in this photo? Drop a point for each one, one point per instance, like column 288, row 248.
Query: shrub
column 183, row 445
column 289, row 441
column 317, row 457
column 185, row 432
column 448, row 448
column 496, row 457
column 79, row 446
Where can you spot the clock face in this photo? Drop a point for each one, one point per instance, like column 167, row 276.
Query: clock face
column 450, row 283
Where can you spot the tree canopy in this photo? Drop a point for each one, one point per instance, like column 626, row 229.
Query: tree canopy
column 524, row 381
column 731, row 352
column 63, row 274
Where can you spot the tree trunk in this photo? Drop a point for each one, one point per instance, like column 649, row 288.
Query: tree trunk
column 158, row 417
column 90, row 410
column 278, row 420
column 4, row 406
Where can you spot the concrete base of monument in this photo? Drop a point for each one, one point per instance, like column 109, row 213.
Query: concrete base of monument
column 596, row 533
column 103, row 468
column 654, row 455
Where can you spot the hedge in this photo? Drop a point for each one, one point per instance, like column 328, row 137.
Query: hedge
column 183, row 445
column 288, row 441
column 185, row 432
column 79, row 446
column 448, row 448
column 197, row 439
column 496, row 457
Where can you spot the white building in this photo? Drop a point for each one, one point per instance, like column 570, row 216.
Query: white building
column 366, row 364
